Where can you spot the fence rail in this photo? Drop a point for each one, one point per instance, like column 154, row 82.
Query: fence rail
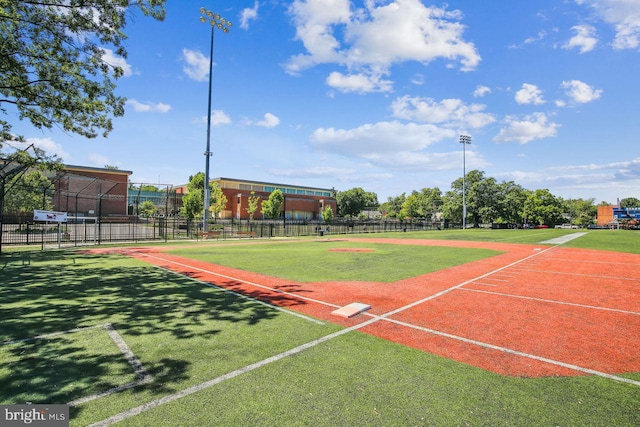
column 93, row 231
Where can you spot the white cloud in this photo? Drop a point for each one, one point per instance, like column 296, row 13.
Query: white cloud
column 530, row 40
column 218, row 117
column 628, row 170
column 529, row 94
column 418, row 80
column 332, row 173
column 623, row 15
column 481, row 91
column 523, row 131
column 196, row 65
column 541, row 35
column 247, row 15
column 360, row 83
column 49, row 146
column 377, row 36
column 448, row 112
column 584, row 39
column 269, row 121
column 314, row 21
column 386, row 144
column 148, row 107
column 581, row 92
column 116, row 61
column 314, row 171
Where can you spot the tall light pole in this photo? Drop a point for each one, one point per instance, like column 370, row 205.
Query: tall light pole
column 220, row 23
column 464, row 140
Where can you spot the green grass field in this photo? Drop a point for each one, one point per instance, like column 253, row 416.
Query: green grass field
column 318, row 260
column 187, row 334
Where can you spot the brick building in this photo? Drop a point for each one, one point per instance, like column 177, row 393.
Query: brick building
column 91, row 192
column 300, row 203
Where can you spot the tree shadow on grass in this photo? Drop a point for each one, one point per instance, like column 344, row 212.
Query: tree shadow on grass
column 51, row 294
column 41, row 298
column 54, row 371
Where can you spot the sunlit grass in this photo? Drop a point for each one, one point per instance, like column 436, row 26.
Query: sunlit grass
column 321, row 260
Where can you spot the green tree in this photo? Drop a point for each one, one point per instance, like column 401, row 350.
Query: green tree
column 28, row 192
column 542, row 207
column 327, row 214
column 354, row 201
column 193, row 201
column 53, row 57
column 511, row 198
column 392, row 207
column 23, row 181
column 217, row 200
column 430, row 202
column 147, row 209
column 487, row 200
column 582, row 212
column 254, row 201
column 271, row 207
column 411, row 207
column 630, row 202
column 475, row 198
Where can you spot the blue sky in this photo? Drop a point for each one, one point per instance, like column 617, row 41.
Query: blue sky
column 374, row 94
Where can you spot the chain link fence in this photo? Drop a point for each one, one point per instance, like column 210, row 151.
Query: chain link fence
column 82, row 231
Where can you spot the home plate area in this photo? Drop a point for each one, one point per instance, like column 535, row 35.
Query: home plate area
column 351, row 310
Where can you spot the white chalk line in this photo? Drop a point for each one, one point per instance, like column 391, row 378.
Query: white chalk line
column 207, row 384
column 175, row 396
column 235, row 279
column 139, row 369
column 595, row 276
column 594, row 307
column 518, row 353
column 593, row 261
column 239, row 295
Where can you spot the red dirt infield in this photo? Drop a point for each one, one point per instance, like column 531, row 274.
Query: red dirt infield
column 531, row 311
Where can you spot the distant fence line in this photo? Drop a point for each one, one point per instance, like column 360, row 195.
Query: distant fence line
column 83, row 231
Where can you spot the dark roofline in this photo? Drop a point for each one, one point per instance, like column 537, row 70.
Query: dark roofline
column 246, row 181
column 92, row 169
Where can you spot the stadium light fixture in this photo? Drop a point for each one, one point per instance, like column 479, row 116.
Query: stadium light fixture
column 464, row 140
column 216, row 21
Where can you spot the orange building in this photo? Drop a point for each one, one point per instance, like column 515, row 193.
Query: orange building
column 605, row 215
column 300, row 203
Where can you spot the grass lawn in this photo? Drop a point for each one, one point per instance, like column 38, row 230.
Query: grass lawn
column 321, row 260
column 185, row 334
column 609, row 240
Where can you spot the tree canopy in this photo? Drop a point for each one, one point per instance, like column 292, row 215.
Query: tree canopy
column 354, row 201
column 56, row 65
column 193, row 201
column 217, row 200
column 253, row 203
column 630, row 202
column 23, row 181
column 271, row 207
